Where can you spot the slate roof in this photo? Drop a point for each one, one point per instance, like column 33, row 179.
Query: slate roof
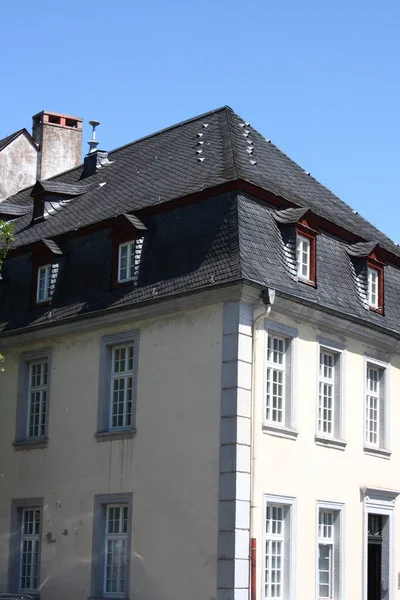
column 9, row 138
column 225, row 238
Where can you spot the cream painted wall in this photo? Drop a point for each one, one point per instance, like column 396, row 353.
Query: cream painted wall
column 171, row 466
column 302, row 469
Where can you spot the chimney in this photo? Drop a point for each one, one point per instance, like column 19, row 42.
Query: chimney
column 60, row 142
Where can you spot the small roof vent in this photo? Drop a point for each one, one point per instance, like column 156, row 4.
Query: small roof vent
column 93, row 143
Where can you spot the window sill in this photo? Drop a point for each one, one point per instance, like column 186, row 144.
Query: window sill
column 335, row 443
column 378, row 452
column 31, row 444
column 108, row 598
column 280, row 431
column 109, row 436
column 306, row 281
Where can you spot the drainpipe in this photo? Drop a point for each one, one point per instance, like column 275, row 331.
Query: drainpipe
column 268, row 297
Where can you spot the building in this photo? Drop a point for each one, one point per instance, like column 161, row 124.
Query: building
column 202, row 361
column 54, row 146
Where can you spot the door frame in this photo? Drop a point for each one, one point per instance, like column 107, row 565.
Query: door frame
column 379, row 501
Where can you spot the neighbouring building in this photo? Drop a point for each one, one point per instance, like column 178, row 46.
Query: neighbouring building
column 200, row 389
column 54, row 146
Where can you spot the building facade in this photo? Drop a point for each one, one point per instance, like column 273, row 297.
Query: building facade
column 199, row 395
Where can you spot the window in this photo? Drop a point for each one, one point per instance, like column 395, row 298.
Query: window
column 116, row 548
column 112, row 529
column 33, row 398
column 127, row 256
column 118, row 384
column 330, row 402
column 373, row 276
column 43, row 284
column 279, row 548
column 326, row 404
column 279, row 405
column 330, row 551
column 303, row 257
column 121, row 394
column 37, row 398
column 275, row 405
column 30, row 542
column 376, row 434
column 25, row 547
column 126, row 262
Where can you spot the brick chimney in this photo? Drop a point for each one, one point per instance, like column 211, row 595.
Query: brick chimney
column 60, row 142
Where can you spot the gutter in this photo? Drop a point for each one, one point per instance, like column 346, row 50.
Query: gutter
column 268, row 296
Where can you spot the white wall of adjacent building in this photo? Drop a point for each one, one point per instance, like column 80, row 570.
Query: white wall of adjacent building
column 18, row 165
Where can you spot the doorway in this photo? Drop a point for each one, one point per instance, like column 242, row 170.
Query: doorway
column 374, row 566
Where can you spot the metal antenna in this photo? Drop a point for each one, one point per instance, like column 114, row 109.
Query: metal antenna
column 93, row 142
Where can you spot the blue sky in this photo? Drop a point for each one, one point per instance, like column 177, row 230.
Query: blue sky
column 320, row 78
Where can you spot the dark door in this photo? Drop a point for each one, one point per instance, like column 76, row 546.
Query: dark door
column 374, row 557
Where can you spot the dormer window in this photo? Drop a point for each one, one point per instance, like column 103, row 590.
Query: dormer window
column 299, row 230
column 303, row 256
column 373, row 287
column 126, row 262
column 43, row 284
column 368, row 262
column 127, row 234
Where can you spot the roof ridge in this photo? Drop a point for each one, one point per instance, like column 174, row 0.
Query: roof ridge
column 176, row 125
column 228, row 121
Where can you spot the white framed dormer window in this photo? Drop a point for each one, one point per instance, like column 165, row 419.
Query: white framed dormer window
column 126, row 262
column 279, row 545
column 373, row 287
column 376, row 411
column 303, row 246
column 329, row 418
column 330, row 551
column 279, row 407
column 43, row 283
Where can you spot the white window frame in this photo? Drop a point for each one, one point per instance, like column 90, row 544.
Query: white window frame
column 43, row 391
column 373, row 296
column 122, row 537
column 289, row 546
column 338, row 549
column 128, row 374
column 47, row 269
column 290, row 336
column 26, row 359
column 130, row 261
column 33, row 538
column 338, row 350
column 380, row 448
column 380, row 501
column 104, row 417
column 302, row 240
column 100, row 512
column 18, row 507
